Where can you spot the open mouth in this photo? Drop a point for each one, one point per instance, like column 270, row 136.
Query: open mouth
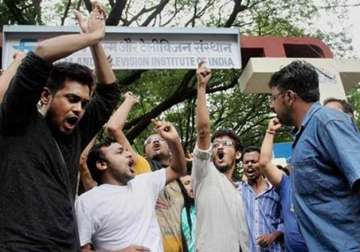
column 220, row 155
column 250, row 172
column 72, row 121
column 156, row 147
column 131, row 165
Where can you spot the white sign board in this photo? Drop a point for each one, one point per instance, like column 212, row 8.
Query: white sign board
column 141, row 47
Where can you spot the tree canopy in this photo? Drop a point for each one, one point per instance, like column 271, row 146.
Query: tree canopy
column 170, row 94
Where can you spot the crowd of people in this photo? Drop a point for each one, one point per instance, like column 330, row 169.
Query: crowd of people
column 166, row 200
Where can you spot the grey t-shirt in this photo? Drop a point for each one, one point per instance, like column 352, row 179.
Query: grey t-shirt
column 220, row 219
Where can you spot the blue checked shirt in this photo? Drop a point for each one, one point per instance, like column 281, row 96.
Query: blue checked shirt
column 262, row 214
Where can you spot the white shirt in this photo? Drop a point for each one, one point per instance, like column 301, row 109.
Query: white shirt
column 113, row 217
column 220, row 219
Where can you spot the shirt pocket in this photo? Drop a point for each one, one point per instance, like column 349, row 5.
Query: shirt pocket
column 307, row 180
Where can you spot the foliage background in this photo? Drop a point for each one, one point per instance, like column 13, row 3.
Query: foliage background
column 170, row 94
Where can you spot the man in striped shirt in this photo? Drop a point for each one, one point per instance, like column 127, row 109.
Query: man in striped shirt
column 262, row 204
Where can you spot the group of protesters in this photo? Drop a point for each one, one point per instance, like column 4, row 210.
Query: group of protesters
column 166, row 199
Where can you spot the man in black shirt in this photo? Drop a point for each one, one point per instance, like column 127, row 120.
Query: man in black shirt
column 39, row 152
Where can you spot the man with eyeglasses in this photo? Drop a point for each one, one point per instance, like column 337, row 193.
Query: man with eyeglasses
column 220, row 219
column 262, row 205
column 170, row 201
column 325, row 174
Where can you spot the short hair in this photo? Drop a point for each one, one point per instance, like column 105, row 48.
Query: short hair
column 64, row 71
column 249, row 149
column 346, row 107
column 96, row 155
column 300, row 77
column 230, row 133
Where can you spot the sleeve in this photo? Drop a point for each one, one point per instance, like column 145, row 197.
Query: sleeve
column 98, row 111
column 142, row 165
column 279, row 221
column 201, row 164
column 281, row 188
column 23, row 94
column 156, row 181
column 341, row 141
column 84, row 222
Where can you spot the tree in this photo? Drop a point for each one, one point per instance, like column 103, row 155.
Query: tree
column 170, row 94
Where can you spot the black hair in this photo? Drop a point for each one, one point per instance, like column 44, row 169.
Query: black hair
column 230, row 133
column 96, row 155
column 300, row 77
column 249, row 149
column 346, row 107
column 64, row 71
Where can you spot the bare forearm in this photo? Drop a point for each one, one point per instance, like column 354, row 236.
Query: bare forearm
column 202, row 120
column 62, row 46
column 271, row 172
column 86, row 179
column 118, row 119
column 178, row 162
column 103, row 69
column 267, row 148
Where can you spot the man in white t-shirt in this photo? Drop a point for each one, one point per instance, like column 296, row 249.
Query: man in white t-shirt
column 220, row 219
column 119, row 214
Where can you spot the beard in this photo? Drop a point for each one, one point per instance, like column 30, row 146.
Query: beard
column 223, row 168
column 285, row 117
column 121, row 177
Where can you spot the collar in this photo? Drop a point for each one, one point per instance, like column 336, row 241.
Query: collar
column 315, row 107
column 296, row 133
column 269, row 187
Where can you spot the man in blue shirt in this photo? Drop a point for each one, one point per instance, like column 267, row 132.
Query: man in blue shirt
column 325, row 161
column 294, row 241
column 262, row 205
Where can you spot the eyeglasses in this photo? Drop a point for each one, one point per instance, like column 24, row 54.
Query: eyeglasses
column 224, row 143
column 152, row 139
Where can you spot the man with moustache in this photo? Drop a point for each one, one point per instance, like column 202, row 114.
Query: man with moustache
column 262, row 205
column 120, row 212
column 171, row 201
column 221, row 225
column 157, row 152
column 39, row 153
column 325, row 161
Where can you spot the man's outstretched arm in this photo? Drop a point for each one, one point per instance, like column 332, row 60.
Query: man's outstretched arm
column 203, row 75
column 103, row 70
column 59, row 47
column 85, row 176
column 178, row 163
column 270, row 171
column 19, row 102
column 117, row 121
column 106, row 93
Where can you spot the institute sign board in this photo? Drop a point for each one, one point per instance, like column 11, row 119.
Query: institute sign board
column 140, row 47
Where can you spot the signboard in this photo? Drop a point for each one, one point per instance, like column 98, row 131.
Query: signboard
column 140, row 47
